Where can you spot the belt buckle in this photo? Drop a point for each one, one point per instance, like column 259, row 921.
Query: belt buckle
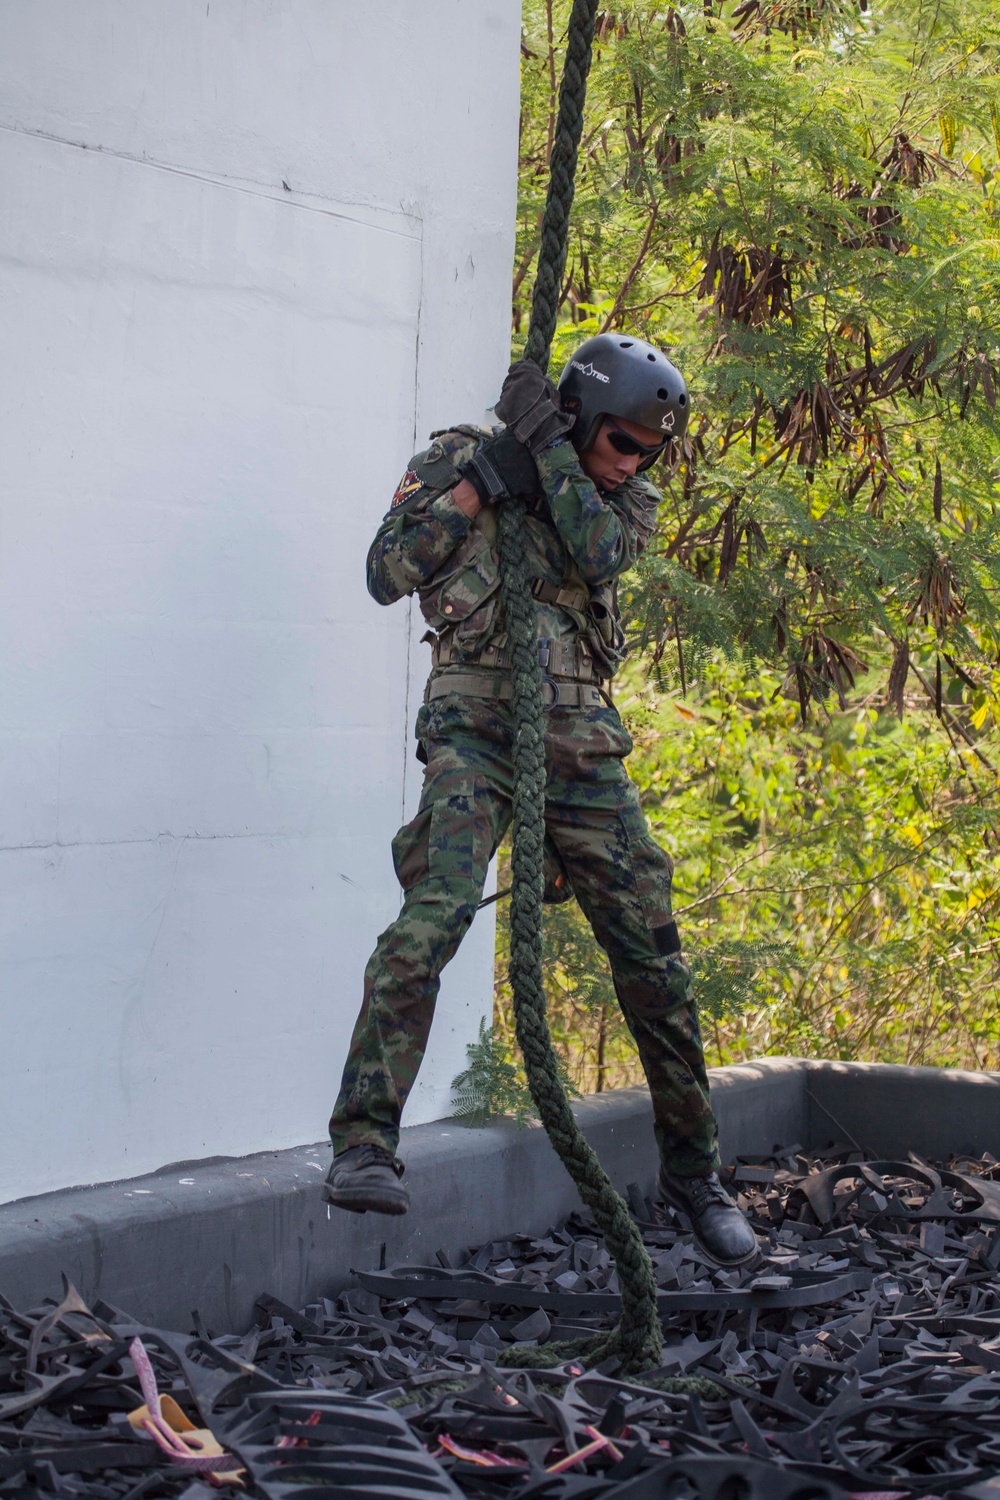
column 549, row 682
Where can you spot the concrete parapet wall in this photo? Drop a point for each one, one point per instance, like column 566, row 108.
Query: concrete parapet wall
column 894, row 1110
column 213, row 1235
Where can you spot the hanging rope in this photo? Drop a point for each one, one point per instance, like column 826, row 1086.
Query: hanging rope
column 637, row 1338
column 562, row 181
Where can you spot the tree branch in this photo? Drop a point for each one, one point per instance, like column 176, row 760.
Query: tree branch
column 633, row 270
column 952, row 720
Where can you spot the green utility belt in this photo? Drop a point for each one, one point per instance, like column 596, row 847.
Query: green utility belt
column 558, row 658
column 555, row 693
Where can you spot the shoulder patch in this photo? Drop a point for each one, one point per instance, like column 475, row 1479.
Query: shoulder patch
column 408, row 485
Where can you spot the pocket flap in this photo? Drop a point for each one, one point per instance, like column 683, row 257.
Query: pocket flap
column 462, row 591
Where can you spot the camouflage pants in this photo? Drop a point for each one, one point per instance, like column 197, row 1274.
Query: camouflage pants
column 621, row 879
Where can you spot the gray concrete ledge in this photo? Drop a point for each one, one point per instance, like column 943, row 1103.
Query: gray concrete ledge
column 213, row 1235
column 893, row 1110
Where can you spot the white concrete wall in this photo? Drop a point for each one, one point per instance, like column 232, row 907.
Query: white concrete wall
column 251, row 252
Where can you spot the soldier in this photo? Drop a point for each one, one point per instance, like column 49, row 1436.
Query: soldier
column 579, row 452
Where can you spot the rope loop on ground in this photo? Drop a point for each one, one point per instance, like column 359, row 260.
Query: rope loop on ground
column 636, row 1341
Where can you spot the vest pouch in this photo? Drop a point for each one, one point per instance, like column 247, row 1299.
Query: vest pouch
column 462, row 600
column 604, row 633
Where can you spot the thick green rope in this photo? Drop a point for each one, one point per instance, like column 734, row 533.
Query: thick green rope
column 637, row 1338
column 562, row 180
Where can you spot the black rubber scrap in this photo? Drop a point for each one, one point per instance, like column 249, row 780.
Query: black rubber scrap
column 710, row 1478
column 795, row 1289
column 888, row 1380
column 360, row 1448
column 950, row 1196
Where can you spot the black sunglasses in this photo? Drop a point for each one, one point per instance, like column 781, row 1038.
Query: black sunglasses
column 622, row 443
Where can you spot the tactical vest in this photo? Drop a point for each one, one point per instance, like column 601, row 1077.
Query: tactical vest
column 462, row 606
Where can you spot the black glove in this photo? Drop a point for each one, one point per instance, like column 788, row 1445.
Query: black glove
column 531, row 407
column 501, row 467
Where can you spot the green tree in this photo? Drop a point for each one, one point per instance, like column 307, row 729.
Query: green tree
column 800, row 201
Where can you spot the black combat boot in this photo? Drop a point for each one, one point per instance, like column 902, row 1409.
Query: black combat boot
column 719, row 1227
column 365, row 1179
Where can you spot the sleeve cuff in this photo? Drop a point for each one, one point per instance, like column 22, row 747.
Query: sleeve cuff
column 455, row 521
column 559, row 458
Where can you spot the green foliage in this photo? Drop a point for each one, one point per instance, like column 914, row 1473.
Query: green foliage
column 863, row 852
column 728, row 974
column 493, row 1085
column 802, row 203
column 837, row 886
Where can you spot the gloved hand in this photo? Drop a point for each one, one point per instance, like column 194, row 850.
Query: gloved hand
column 501, row 467
column 531, row 407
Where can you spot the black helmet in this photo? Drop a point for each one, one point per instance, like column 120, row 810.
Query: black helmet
column 613, row 375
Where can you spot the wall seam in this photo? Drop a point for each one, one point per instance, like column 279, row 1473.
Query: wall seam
column 153, row 838
column 249, row 186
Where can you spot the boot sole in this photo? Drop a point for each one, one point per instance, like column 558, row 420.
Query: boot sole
column 361, row 1200
column 729, row 1265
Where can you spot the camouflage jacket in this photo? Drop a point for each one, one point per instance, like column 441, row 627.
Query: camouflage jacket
column 578, row 541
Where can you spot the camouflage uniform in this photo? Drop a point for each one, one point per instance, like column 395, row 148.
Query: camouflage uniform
column 578, row 542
